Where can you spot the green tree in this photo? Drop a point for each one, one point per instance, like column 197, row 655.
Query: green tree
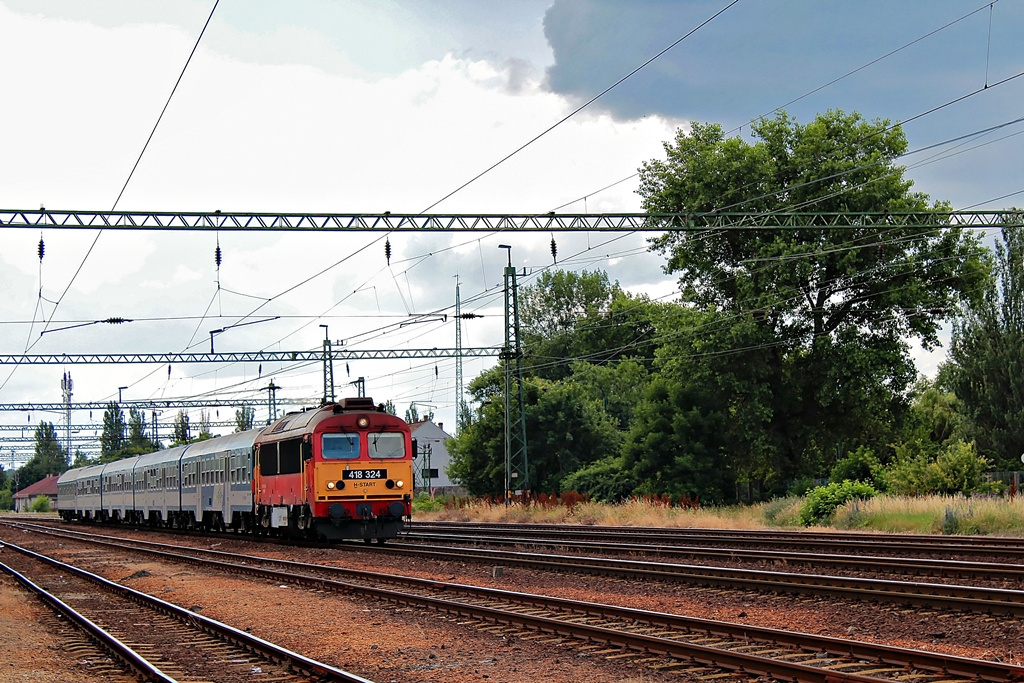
column 204, row 426
column 809, row 342
column 182, row 433
column 676, row 444
column 112, row 440
column 566, row 429
column 567, row 316
column 986, row 357
column 137, row 442
column 412, row 414
column 49, row 458
column 245, row 418
column 477, row 455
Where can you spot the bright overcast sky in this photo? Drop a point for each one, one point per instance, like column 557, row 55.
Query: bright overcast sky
column 339, row 106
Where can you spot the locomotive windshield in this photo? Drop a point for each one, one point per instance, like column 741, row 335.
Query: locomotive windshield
column 386, row 445
column 340, row 446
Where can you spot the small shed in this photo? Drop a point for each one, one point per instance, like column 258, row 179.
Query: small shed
column 45, row 487
column 431, row 460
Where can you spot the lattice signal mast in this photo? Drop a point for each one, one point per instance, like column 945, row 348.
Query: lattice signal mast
column 516, row 463
column 66, row 386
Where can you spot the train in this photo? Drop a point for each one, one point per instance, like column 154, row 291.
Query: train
column 342, row 471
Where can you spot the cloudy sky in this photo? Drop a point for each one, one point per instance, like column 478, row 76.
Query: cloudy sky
column 359, row 106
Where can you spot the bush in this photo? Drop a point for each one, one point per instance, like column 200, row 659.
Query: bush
column 40, row 504
column 860, row 465
column 956, row 469
column 822, row 501
column 424, row 503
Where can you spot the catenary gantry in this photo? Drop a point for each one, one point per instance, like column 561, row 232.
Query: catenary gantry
column 545, row 222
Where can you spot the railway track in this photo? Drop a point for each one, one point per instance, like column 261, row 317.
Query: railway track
column 939, row 568
column 999, row 547
column 953, row 597
column 662, row 641
column 157, row 640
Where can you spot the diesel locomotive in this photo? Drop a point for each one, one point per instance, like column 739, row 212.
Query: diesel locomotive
column 341, row 471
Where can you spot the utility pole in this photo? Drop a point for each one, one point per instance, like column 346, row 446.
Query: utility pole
column 458, row 357
column 516, row 462
column 328, row 369
column 66, row 386
column 272, row 402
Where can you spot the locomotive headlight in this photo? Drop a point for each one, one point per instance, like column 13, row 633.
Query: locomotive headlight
column 399, row 483
column 363, row 422
column 330, row 485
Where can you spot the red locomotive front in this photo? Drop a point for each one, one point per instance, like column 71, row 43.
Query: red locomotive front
column 338, row 472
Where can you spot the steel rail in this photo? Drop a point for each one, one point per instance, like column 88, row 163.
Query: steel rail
column 310, row 667
column 936, row 595
column 132, row 659
column 972, row 545
column 519, row 222
column 897, row 565
column 297, row 572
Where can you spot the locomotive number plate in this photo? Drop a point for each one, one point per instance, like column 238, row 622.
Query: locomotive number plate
column 364, row 474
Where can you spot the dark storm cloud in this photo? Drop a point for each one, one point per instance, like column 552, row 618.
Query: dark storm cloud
column 758, row 56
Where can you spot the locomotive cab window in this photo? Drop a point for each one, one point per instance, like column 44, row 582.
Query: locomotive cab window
column 291, row 460
column 340, row 446
column 268, row 459
column 386, row 445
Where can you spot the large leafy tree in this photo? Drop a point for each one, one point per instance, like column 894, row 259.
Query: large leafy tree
column 676, row 445
column 566, row 429
column 986, row 358
column 182, row 431
column 808, row 347
column 137, row 442
column 245, row 418
column 49, row 457
column 567, row 316
column 113, row 439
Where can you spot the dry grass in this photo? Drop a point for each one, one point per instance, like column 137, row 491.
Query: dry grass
column 892, row 514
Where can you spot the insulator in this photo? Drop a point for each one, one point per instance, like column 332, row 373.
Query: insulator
column 387, row 250
column 42, row 248
column 435, row 372
column 217, row 256
column 554, row 250
column 168, row 371
column 116, row 321
column 347, row 372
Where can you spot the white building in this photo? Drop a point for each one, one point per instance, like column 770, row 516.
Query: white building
column 431, row 460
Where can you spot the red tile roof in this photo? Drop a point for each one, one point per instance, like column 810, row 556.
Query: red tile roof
column 45, row 487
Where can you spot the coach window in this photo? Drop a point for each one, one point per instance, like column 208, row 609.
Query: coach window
column 340, row 446
column 386, row 445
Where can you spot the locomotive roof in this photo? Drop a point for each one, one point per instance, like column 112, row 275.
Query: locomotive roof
column 306, row 421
